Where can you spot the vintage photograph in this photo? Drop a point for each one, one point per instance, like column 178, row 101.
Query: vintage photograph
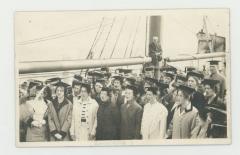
column 122, row 77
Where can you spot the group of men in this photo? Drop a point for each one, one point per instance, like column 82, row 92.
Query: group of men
column 124, row 106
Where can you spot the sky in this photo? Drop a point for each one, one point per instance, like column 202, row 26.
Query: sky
column 69, row 35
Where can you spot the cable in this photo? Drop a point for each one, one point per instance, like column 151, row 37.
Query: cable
column 146, row 52
column 128, row 43
column 183, row 25
column 99, row 36
column 57, row 34
column 94, row 43
column 135, row 36
column 118, row 37
column 107, row 37
column 60, row 36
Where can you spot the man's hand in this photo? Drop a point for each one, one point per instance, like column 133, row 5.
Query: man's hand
column 73, row 137
column 91, row 137
column 35, row 124
column 58, row 136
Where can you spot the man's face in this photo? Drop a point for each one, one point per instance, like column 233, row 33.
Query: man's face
column 104, row 96
column 117, row 85
column 180, row 97
column 60, row 92
column 174, row 95
column 40, row 94
column 192, row 82
column 129, row 94
column 155, row 39
column 149, row 74
column 23, row 94
column 167, row 79
column 208, row 91
column 149, row 95
column 32, row 91
column 146, row 85
column 76, row 90
column 213, row 69
column 53, row 88
column 98, row 87
column 84, row 92
column 178, row 81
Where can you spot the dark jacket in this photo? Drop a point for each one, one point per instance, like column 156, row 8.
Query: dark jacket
column 59, row 118
column 108, row 121
column 153, row 50
column 217, row 110
column 131, row 117
column 96, row 96
column 198, row 100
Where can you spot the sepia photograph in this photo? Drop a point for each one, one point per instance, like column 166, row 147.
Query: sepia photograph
column 122, row 77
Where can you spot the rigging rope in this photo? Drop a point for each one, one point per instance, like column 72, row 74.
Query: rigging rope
column 146, row 52
column 60, row 35
column 183, row 25
column 128, row 43
column 135, row 36
column 90, row 54
column 118, row 37
column 107, row 37
column 95, row 39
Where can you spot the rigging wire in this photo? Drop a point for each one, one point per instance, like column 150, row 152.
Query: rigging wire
column 60, row 36
column 135, row 35
column 128, row 43
column 99, row 36
column 62, row 33
column 183, row 25
column 90, row 53
column 146, row 37
column 107, row 37
column 95, row 39
column 118, row 37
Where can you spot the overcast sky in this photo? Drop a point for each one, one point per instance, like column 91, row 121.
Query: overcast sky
column 70, row 35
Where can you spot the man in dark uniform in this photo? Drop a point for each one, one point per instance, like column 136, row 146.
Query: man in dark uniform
column 221, row 86
column 155, row 51
column 217, row 109
column 169, row 73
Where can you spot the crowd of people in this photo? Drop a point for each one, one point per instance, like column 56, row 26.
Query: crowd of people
column 122, row 105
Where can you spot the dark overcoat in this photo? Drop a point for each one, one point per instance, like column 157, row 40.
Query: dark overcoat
column 59, row 118
column 108, row 121
column 131, row 117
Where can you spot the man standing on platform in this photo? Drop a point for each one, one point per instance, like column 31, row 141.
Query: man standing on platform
column 155, row 50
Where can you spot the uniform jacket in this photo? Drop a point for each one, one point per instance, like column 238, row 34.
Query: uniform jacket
column 108, row 121
column 131, row 116
column 59, row 118
column 221, row 87
column 153, row 49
